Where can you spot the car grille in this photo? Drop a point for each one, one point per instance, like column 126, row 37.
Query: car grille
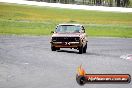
column 65, row 39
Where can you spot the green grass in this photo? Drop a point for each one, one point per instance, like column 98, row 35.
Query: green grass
column 33, row 20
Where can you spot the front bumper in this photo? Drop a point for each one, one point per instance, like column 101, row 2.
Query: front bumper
column 66, row 44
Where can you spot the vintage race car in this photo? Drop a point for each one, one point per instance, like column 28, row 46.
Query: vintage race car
column 69, row 36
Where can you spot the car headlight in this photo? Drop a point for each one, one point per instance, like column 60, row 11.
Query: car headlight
column 77, row 39
column 54, row 39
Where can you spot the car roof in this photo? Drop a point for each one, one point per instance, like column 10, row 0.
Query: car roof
column 71, row 24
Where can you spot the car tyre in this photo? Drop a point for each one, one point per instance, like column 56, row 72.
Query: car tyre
column 85, row 48
column 53, row 48
column 81, row 49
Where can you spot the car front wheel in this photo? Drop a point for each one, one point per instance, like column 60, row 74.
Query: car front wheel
column 81, row 49
column 85, row 48
column 53, row 48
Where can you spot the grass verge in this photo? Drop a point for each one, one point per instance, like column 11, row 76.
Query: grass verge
column 32, row 20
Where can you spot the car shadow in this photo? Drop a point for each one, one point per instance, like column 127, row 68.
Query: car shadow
column 101, row 54
column 90, row 53
column 68, row 51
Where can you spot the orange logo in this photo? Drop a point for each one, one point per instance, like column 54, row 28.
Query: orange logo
column 82, row 77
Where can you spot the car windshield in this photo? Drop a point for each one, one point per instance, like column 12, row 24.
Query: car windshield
column 68, row 29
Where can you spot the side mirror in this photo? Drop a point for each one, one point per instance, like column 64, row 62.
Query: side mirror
column 83, row 30
column 52, row 32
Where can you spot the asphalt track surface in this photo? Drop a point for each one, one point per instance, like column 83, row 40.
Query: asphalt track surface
column 28, row 62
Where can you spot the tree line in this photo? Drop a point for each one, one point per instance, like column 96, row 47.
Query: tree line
column 118, row 3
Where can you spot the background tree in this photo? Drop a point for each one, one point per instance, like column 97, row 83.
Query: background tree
column 118, row 3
